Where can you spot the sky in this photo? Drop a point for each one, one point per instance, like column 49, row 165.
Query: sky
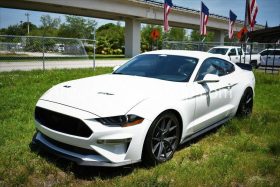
column 269, row 10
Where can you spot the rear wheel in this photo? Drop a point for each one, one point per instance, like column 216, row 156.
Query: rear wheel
column 162, row 139
column 246, row 103
column 254, row 64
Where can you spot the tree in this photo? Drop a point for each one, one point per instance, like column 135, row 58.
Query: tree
column 195, row 36
column 177, row 34
column 110, row 38
column 147, row 43
column 18, row 29
column 49, row 22
column 77, row 27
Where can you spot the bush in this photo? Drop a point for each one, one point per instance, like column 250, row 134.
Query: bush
column 89, row 49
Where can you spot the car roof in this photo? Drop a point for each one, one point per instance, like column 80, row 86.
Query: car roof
column 187, row 53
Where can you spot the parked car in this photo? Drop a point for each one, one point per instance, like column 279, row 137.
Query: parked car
column 270, row 57
column 59, row 48
column 234, row 54
column 144, row 109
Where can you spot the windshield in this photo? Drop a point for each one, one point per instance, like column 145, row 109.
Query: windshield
column 221, row 51
column 165, row 67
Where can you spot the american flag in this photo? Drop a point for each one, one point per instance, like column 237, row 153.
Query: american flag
column 232, row 19
column 167, row 9
column 204, row 14
column 252, row 13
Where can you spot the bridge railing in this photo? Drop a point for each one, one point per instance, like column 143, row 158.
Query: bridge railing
column 182, row 8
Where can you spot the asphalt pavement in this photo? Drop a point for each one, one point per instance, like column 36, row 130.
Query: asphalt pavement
column 27, row 66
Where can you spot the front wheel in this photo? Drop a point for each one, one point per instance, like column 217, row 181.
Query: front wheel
column 246, row 103
column 162, row 139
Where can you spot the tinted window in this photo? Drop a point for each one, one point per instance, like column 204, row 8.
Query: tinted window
column 277, row 52
column 221, row 51
column 165, row 67
column 214, row 66
column 239, row 51
column 232, row 52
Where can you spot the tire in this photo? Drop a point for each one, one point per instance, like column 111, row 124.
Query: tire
column 254, row 64
column 245, row 107
column 162, row 139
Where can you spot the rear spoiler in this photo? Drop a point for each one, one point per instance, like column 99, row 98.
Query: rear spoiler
column 247, row 67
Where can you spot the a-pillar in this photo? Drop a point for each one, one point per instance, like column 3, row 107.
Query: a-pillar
column 219, row 36
column 132, row 37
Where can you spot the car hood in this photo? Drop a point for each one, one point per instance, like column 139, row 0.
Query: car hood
column 112, row 95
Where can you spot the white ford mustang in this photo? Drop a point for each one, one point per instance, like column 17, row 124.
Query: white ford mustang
column 144, row 109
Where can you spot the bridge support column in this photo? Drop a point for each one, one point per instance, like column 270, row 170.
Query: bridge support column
column 132, row 37
column 219, row 36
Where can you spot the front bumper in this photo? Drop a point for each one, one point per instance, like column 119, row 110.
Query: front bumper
column 79, row 159
column 106, row 146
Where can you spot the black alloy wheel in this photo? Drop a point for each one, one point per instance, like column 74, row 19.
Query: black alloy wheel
column 245, row 107
column 162, row 139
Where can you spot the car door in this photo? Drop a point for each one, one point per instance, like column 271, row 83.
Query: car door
column 241, row 55
column 211, row 98
column 233, row 55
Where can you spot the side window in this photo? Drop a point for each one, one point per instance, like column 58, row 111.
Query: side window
column 232, row 52
column 211, row 66
column 227, row 66
column 277, row 52
column 264, row 53
column 239, row 51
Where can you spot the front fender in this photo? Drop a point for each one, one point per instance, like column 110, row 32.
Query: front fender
column 153, row 107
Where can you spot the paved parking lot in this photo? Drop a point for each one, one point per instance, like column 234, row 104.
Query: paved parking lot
column 26, row 66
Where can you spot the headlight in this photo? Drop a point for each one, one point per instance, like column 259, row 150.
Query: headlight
column 123, row 121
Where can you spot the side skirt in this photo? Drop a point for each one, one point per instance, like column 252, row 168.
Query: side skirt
column 206, row 129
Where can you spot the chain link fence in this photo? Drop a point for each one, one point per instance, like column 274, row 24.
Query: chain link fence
column 39, row 50
column 269, row 52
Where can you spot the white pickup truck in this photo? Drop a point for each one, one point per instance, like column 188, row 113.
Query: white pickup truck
column 234, row 54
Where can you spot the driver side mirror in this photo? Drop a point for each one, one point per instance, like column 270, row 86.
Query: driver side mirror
column 115, row 68
column 209, row 78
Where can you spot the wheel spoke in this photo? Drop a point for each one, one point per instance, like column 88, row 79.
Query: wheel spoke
column 156, row 147
column 160, row 149
column 156, row 139
column 164, row 151
column 169, row 146
column 172, row 128
column 169, row 139
column 248, row 100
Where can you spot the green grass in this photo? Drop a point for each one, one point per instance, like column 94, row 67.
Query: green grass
column 242, row 152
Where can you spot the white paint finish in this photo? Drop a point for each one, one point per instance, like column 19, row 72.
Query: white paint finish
column 145, row 97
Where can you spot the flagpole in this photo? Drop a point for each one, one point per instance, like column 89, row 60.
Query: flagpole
column 245, row 24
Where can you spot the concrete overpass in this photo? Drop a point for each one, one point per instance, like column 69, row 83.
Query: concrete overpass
column 133, row 12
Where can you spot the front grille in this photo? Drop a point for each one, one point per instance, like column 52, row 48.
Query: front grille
column 68, row 147
column 62, row 123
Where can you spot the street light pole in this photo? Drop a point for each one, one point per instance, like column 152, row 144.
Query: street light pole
column 27, row 15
